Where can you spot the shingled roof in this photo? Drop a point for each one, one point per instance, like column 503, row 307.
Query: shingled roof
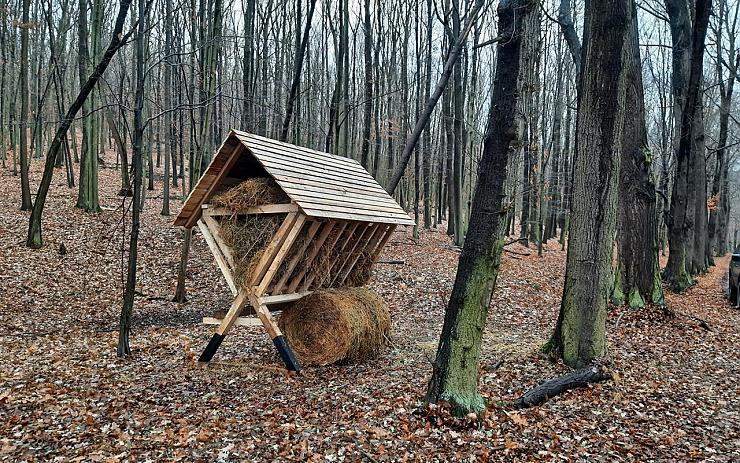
column 320, row 184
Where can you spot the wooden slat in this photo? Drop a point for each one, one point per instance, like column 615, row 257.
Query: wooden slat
column 305, row 152
column 327, row 200
column 358, row 243
column 220, row 164
column 343, row 194
column 287, row 168
column 326, row 184
column 283, row 159
column 282, row 298
column 297, row 258
column 383, row 242
column 356, row 217
column 347, row 229
column 266, row 209
column 240, row 321
column 369, row 246
column 283, row 251
column 264, row 314
column 343, row 241
column 313, row 252
column 214, row 228
column 269, row 253
column 220, row 259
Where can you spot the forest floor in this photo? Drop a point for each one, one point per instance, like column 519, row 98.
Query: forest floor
column 65, row 396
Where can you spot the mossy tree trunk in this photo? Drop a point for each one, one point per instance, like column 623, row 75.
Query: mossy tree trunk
column 580, row 333
column 455, row 375
column 638, row 279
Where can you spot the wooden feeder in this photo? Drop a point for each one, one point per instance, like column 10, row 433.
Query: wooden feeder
column 334, row 202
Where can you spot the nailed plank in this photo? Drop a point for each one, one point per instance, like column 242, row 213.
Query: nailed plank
column 311, row 212
column 281, row 254
column 368, row 246
column 328, row 200
column 269, row 253
column 215, row 230
column 240, row 321
column 284, row 159
column 312, row 229
column 266, row 209
column 220, row 259
column 313, row 252
column 251, row 139
column 282, row 298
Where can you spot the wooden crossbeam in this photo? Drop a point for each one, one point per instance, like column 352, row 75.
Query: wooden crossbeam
column 240, row 321
column 281, row 254
column 359, row 243
column 312, row 230
column 266, row 209
column 313, row 252
column 281, row 298
column 220, row 259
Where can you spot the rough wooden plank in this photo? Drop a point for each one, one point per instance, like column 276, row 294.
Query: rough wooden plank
column 383, row 242
column 282, row 298
column 329, row 247
column 303, row 171
column 281, row 254
column 368, row 246
column 264, row 315
column 236, row 308
column 358, row 243
column 240, row 321
column 258, row 140
column 313, row 252
column 312, row 229
column 311, row 212
column 269, row 253
column 340, row 194
column 220, row 259
column 215, row 230
column 329, row 201
column 265, row 209
column 326, row 184
column 288, row 161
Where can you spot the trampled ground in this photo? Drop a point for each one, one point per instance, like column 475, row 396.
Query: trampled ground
column 65, row 396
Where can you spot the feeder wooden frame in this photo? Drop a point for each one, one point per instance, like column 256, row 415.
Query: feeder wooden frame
column 346, row 215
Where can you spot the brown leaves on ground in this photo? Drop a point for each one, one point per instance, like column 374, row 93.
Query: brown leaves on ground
column 65, row 396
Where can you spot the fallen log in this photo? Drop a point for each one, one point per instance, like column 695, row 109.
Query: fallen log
column 555, row 386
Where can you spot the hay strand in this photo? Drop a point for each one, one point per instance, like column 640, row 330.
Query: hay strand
column 248, row 237
column 337, row 325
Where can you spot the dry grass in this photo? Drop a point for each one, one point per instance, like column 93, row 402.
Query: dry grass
column 252, row 192
column 247, row 237
column 337, row 325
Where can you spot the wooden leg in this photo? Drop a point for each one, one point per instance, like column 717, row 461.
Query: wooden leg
column 236, row 307
column 278, row 339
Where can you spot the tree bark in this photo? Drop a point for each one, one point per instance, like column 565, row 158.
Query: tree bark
column 580, row 333
column 638, row 272
column 24, row 117
column 455, row 375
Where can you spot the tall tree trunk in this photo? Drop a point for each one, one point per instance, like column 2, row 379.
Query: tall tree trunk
column 638, row 272
column 124, row 330
column 455, row 375
column 580, row 333
column 24, row 116
column 368, row 87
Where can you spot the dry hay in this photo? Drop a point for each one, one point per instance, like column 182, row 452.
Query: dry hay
column 337, row 325
column 252, row 192
column 247, row 237
column 362, row 271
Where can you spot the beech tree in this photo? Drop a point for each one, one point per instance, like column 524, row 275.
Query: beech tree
column 580, row 333
column 455, row 375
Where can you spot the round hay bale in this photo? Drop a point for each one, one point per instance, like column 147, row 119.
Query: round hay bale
column 252, row 192
column 344, row 325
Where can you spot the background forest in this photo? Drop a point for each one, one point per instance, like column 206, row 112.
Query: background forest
column 511, row 132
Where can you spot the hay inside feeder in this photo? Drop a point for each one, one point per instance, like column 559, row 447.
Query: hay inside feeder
column 248, row 237
column 252, row 192
column 337, row 325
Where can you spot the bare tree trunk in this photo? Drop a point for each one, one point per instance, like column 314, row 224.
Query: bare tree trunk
column 455, row 375
column 580, row 333
column 24, row 117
